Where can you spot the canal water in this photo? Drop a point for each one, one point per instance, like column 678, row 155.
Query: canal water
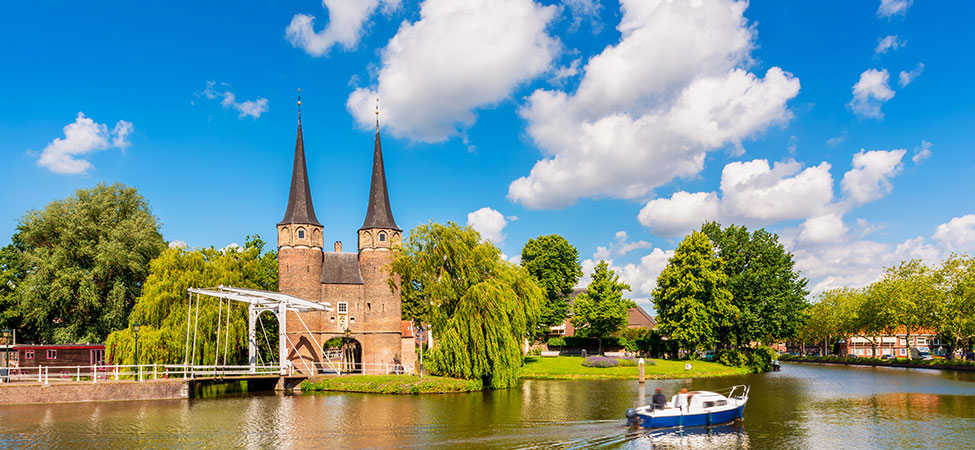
column 802, row 407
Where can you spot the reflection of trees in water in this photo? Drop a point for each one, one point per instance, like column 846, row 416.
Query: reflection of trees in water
column 901, row 406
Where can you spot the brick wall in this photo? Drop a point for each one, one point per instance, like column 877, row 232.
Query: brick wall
column 22, row 393
column 300, row 272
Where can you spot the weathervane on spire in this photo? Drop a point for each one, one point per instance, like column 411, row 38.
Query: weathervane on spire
column 377, row 114
column 299, row 104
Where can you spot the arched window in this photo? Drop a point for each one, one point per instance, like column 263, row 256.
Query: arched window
column 382, row 237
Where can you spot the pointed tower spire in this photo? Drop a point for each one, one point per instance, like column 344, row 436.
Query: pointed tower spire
column 300, row 208
column 379, row 214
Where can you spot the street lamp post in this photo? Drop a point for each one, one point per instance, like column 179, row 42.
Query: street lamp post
column 7, row 334
column 135, row 332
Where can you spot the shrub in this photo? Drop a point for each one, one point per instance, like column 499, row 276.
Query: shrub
column 760, row 359
column 556, row 342
column 732, row 358
column 600, row 362
column 627, row 362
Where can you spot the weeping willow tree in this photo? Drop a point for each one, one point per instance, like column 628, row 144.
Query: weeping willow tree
column 161, row 309
column 480, row 307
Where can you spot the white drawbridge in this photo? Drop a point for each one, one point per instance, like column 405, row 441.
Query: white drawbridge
column 259, row 301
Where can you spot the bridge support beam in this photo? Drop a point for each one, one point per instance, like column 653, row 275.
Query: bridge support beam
column 283, row 338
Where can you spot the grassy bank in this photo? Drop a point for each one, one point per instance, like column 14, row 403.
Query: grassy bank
column 945, row 364
column 392, row 384
column 571, row 368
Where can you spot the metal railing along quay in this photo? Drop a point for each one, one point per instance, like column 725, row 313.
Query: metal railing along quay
column 144, row 372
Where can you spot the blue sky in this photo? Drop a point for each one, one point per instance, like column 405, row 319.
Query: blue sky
column 843, row 126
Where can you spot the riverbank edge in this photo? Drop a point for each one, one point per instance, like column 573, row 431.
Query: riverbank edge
column 732, row 371
column 391, row 384
column 876, row 363
column 652, row 372
column 85, row 392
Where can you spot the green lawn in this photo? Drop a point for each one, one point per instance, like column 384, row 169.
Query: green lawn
column 392, row 384
column 571, row 368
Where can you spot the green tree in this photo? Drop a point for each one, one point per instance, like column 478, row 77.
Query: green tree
column 910, row 296
column 768, row 291
column 830, row 318
column 12, row 274
column 85, row 257
column 554, row 263
column 480, row 307
column 872, row 315
column 692, row 297
column 955, row 315
column 600, row 311
column 161, row 309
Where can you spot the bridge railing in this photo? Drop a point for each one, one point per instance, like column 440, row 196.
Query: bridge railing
column 116, row 372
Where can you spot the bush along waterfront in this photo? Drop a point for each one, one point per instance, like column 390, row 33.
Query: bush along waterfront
column 572, row 368
column 392, row 384
column 941, row 364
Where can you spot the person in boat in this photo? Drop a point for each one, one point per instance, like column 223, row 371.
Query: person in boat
column 658, row 399
column 681, row 399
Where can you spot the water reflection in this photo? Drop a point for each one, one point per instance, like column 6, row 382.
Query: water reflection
column 804, row 406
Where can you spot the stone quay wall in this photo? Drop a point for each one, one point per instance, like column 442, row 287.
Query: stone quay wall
column 103, row 391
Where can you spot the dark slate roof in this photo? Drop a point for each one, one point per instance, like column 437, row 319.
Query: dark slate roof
column 378, row 215
column 341, row 268
column 300, row 208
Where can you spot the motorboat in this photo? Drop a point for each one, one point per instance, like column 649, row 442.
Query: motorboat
column 702, row 408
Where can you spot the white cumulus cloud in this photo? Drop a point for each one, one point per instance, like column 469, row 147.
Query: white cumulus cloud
column 620, row 247
column 870, row 93
column 888, row 43
column 347, row 19
column 489, row 223
column 755, row 193
column 650, row 107
column 81, row 137
column 824, row 228
column 641, row 276
column 247, row 108
column 921, row 153
column 906, row 78
column 869, row 179
column 890, row 8
column 681, row 212
column 460, row 56
column 752, row 193
column 958, row 234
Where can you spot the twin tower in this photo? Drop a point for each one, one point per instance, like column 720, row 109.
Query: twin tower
column 366, row 307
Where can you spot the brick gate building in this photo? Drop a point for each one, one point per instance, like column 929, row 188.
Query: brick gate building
column 366, row 309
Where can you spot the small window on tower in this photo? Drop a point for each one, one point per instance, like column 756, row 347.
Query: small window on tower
column 343, row 308
column 382, row 237
column 301, row 234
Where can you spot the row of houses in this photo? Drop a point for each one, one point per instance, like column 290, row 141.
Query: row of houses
column 895, row 345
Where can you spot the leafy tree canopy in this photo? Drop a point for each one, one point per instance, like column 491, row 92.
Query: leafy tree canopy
column 692, row 297
column 161, row 309
column 83, row 260
column 768, row 291
column 480, row 307
column 12, row 274
column 554, row 263
column 955, row 316
column 601, row 311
